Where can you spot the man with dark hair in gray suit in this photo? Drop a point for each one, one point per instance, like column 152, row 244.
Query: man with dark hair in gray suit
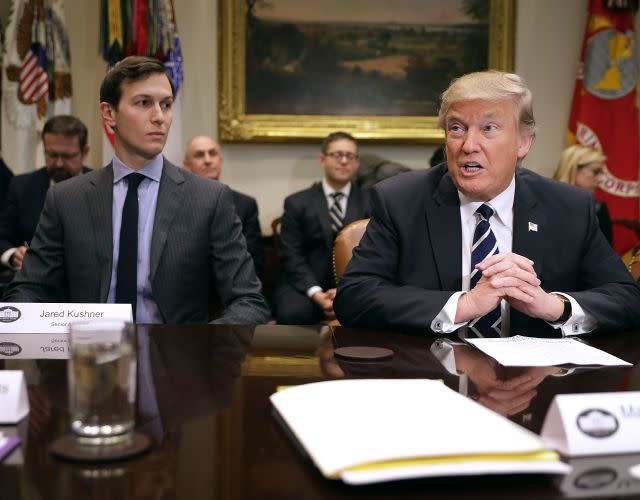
column 141, row 230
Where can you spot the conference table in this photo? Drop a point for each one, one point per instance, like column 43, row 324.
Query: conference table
column 215, row 435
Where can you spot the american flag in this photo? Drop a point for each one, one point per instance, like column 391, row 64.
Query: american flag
column 34, row 82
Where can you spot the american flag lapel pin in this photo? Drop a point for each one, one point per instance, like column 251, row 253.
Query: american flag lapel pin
column 533, row 227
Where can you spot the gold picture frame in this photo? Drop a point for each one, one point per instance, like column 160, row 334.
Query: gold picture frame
column 236, row 125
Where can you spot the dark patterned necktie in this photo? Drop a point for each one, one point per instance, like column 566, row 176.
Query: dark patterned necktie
column 335, row 212
column 127, row 273
column 484, row 245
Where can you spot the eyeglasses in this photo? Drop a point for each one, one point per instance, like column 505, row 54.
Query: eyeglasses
column 62, row 156
column 339, row 155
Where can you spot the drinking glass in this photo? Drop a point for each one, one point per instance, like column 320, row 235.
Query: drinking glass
column 102, row 381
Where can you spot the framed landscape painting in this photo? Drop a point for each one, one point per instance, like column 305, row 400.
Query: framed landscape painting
column 292, row 70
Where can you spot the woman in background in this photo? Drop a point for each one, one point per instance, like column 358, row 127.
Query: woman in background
column 583, row 166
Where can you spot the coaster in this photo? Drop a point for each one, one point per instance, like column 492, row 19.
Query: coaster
column 363, row 353
column 66, row 447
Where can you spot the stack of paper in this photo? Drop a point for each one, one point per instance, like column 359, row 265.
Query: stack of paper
column 530, row 351
column 367, row 431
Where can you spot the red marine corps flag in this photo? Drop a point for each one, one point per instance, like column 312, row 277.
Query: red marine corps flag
column 604, row 113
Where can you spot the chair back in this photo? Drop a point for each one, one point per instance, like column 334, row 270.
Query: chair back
column 634, row 264
column 343, row 246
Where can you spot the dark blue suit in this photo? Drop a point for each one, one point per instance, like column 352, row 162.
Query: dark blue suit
column 5, row 177
column 247, row 210
column 306, row 246
column 408, row 262
column 25, row 199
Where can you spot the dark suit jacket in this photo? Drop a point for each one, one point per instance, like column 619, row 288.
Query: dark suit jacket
column 196, row 243
column 408, row 262
column 604, row 220
column 5, row 178
column 247, row 210
column 25, row 199
column 306, row 238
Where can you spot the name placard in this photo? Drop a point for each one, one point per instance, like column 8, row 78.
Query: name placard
column 600, row 423
column 20, row 317
column 14, row 403
column 36, row 331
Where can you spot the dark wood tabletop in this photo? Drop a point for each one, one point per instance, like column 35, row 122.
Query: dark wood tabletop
column 215, row 436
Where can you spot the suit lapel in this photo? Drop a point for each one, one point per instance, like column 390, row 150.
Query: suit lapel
column 443, row 221
column 529, row 224
column 100, row 202
column 170, row 198
column 319, row 203
column 33, row 210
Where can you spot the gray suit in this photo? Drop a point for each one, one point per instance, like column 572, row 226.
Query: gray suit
column 197, row 247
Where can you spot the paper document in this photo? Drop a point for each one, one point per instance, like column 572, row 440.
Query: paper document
column 530, row 351
column 365, row 431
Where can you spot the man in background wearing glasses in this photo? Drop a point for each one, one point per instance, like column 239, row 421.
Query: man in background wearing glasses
column 65, row 148
column 310, row 222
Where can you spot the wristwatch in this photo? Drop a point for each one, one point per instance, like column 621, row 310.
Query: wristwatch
column 566, row 312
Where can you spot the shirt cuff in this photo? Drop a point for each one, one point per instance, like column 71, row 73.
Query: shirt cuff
column 444, row 321
column 443, row 352
column 578, row 323
column 313, row 290
column 5, row 258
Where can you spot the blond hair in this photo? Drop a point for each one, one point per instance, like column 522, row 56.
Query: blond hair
column 573, row 158
column 491, row 86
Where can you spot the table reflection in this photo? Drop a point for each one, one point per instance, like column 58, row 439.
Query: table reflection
column 203, row 398
column 179, row 379
column 521, row 393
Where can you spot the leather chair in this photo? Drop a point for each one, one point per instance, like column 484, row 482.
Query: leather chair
column 343, row 246
column 634, row 264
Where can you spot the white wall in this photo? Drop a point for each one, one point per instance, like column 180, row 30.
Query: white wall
column 548, row 40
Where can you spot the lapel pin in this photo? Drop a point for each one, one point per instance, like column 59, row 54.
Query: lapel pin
column 533, row 227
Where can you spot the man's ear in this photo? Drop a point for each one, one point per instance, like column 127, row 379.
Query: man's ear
column 85, row 152
column 526, row 141
column 108, row 114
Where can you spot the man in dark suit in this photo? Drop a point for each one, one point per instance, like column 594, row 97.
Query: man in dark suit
column 420, row 264
column 64, row 138
column 141, row 230
column 310, row 222
column 203, row 157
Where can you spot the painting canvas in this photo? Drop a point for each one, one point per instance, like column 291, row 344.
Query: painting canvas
column 370, row 65
column 374, row 57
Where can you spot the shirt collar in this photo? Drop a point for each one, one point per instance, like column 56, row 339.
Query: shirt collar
column 328, row 190
column 502, row 205
column 152, row 170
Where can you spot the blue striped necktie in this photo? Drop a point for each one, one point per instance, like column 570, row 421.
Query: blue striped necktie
column 484, row 245
column 335, row 212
